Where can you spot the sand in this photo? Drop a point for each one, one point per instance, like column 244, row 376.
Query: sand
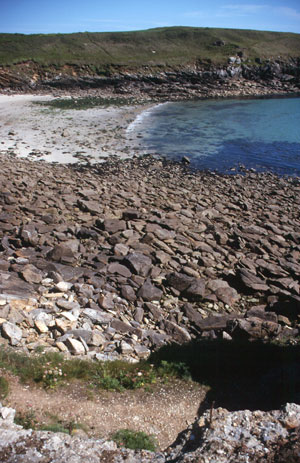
column 41, row 132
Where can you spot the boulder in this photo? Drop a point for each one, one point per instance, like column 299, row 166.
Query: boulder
column 251, row 281
column 192, row 314
column 97, row 316
column 75, row 347
column 62, row 253
column 128, row 293
column 119, row 269
column 31, row 274
column 196, row 290
column 114, row 225
column 138, row 263
column 227, row 295
column 149, row 292
column 213, row 322
column 11, row 332
column 179, row 281
column 178, row 333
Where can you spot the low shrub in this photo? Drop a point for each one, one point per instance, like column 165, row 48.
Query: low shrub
column 26, row 419
column 135, row 440
column 52, row 370
column 52, row 375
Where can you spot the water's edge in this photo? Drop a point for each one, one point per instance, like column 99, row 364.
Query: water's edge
column 224, row 134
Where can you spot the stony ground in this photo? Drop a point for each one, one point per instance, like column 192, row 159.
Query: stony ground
column 238, row 437
column 118, row 260
column 164, row 411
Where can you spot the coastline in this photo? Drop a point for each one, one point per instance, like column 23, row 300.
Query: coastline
column 115, row 260
column 37, row 132
column 41, row 132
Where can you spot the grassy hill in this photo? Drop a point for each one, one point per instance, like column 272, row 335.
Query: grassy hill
column 163, row 46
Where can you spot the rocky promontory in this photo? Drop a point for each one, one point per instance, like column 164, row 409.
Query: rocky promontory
column 118, row 259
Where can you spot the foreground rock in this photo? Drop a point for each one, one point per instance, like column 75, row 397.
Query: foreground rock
column 240, row 437
column 218, row 436
column 118, row 259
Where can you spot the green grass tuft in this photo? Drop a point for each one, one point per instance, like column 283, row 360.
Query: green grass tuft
column 135, row 440
column 52, row 370
column 26, row 419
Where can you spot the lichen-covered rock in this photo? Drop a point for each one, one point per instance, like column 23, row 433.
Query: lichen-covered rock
column 241, row 437
column 217, row 436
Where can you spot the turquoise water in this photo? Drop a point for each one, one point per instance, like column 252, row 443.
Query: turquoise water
column 220, row 135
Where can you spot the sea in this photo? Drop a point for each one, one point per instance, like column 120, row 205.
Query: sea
column 225, row 135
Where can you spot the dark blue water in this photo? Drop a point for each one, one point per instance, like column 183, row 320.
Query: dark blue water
column 261, row 134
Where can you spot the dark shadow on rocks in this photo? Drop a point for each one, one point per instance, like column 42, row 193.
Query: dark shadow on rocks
column 241, row 374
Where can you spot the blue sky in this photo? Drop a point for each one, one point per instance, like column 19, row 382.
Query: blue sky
column 64, row 16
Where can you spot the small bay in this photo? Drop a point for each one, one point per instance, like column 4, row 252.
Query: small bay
column 261, row 134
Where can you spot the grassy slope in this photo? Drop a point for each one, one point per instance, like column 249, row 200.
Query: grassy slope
column 172, row 46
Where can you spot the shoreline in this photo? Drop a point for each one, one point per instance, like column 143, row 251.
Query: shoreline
column 115, row 260
column 35, row 132
column 89, row 136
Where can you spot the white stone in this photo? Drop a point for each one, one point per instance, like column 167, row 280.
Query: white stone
column 11, row 332
column 63, row 286
column 41, row 326
column 141, row 351
column 121, row 249
column 126, row 348
column 8, row 414
column 74, row 346
column 69, row 316
column 97, row 339
column 61, row 346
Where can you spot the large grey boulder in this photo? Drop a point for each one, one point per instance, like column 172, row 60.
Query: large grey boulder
column 11, row 332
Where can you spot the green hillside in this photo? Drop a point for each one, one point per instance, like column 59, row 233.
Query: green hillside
column 162, row 46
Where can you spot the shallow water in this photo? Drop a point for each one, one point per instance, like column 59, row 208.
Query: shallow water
column 220, row 135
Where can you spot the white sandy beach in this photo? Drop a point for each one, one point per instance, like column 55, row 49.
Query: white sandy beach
column 65, row 136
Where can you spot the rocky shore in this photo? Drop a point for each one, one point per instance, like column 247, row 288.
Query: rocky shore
column 118, row 259
column 202, row 79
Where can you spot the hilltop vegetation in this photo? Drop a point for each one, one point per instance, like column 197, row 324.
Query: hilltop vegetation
column 172, row 46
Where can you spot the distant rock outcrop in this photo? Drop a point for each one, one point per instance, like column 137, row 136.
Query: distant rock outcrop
column 198, row 80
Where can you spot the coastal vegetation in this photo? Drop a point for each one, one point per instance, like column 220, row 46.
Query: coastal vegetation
column 52, row 370
column 134, row 440
column 167, row 46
